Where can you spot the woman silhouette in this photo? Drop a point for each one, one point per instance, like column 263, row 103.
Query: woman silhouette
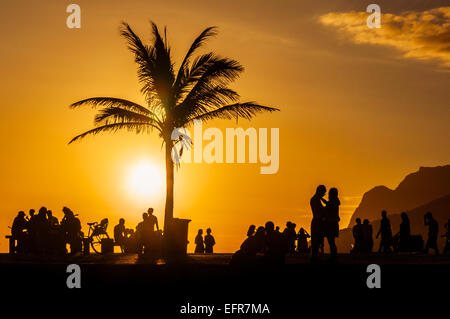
column 331, row 222
column 199, row 244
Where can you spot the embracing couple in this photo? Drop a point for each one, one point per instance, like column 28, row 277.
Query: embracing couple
column 325, row 222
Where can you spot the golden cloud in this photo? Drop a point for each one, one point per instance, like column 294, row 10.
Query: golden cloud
column 420, row 35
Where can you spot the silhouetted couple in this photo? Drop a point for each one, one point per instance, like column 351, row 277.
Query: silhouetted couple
column 147, row 238
column 204, row 245
column 325, row 221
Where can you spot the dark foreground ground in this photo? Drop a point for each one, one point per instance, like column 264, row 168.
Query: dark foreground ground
column 163, row 287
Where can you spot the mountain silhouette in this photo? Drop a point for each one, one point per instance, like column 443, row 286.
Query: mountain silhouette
column 418, row 188
column 439, row 207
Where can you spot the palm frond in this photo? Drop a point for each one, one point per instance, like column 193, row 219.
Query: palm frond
column 208, row 100
column 120, row 115
column 214, row 71
column 130, row 126
column 114, row 102
column 182, row 76
column 238, row 110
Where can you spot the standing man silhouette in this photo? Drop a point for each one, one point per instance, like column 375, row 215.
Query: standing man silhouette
column 386, row 233
column 433, row 230
column 317, row 209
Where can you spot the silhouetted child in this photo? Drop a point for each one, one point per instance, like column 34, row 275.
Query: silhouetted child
column 209, row 242
column 199, row 245
column 386, row 233
column 433, row 230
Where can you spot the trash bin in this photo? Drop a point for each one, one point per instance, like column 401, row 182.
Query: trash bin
column 107, row 245
column 178, row 237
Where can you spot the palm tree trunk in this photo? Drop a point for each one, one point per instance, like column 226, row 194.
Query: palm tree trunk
column 168, row 214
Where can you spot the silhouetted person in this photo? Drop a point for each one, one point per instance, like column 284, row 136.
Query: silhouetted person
column 152, row 219
column 18, row 229
column 209, row 242
column 367, row 236
column 277, row 230
column 255, row 243
column 433, row 230
column 42, row 229
column 149, row 235
column 331, row 220
column 317, row 221
column 251, row 230
column 52, row 220
column 386, row 233
column 275, row 245
column 199, row 244
column 141, row 233
column 252, row 245
column 404, row 234
column 289, row 236
column 302, row 241
column 358, row 237
column 72, row 229
column 56, row 240
column 119, row 233
column 447, row 237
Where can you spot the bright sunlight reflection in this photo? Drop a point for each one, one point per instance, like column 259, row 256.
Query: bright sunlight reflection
column 145, row 179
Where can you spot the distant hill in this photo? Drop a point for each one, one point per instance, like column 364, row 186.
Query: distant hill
column 439, row 207
column 419, row 188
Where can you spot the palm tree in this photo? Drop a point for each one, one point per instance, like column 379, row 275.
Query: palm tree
column 198, row 91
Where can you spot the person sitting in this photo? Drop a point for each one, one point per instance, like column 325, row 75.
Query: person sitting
column 100, row 228
column 119, row 234
column 276, row 247
column 251, row 230
column 251, row 246
column 209, row 242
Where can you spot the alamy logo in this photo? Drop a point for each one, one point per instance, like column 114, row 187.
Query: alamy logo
column 74, row 279
column 74, row 19
column 213, row 151
column 374, row 279
column 374, row 20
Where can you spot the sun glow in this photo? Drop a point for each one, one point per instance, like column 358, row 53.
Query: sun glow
column 145, row 179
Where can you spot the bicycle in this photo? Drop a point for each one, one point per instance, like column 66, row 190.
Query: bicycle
column 97, row 232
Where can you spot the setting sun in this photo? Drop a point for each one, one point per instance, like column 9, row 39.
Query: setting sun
column 145, row 179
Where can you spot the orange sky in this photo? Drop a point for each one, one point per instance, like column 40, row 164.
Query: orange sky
column 355, row 114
